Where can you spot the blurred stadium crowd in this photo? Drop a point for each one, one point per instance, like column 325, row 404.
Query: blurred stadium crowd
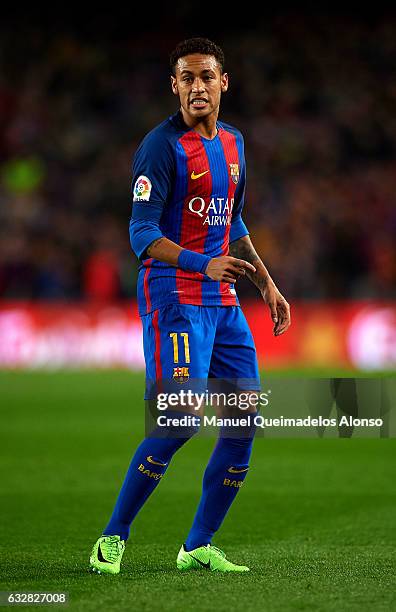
column 316, row 104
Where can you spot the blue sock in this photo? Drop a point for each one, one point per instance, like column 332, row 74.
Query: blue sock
column 222, row 481
column 146, row 470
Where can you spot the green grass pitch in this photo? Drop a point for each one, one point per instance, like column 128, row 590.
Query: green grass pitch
column 314, row 521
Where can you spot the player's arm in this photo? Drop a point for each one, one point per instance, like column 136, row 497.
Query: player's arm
column 241, row 247
column 226, row 269
column 280, row 309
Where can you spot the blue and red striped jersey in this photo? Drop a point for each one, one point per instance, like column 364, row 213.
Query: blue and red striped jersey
column 191, row 190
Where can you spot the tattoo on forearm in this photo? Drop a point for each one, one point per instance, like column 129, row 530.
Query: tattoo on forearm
column 154, row 244
column 243, row 250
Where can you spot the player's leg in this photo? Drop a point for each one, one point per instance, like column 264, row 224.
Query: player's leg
column 170, row 346
column 234, row 357
column 146, row 470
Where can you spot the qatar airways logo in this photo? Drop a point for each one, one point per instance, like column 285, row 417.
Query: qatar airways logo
column 218, row 211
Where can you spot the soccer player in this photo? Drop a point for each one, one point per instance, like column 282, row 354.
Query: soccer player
column 186, row 228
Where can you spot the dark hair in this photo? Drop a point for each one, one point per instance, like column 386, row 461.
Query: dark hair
column 196, row 45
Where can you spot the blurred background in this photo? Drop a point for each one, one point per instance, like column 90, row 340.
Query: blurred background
column 315, row 97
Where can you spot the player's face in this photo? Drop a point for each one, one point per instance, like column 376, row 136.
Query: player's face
column 199, row 85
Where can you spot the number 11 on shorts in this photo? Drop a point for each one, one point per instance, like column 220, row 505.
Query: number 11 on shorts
column 175, row 339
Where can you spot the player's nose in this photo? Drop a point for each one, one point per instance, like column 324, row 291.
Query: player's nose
column 198, row 85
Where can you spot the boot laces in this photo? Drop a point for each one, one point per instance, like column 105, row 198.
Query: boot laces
column 218, row 551
column 112, row 548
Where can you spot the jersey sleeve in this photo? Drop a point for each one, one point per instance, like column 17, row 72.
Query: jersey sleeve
column 238, row 228
column 152, row 179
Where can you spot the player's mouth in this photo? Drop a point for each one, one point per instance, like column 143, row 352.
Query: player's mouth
column 198, row 102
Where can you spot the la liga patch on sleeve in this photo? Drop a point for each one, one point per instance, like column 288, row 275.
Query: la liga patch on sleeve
column 142, row 189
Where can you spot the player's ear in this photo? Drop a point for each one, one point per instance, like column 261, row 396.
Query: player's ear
column 174, row 85
column 224, row 82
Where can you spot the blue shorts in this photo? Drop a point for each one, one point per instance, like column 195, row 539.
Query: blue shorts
column 184, row 342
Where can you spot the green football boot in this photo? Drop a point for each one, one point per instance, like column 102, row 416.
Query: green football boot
column 107, row 554
column 207, row 557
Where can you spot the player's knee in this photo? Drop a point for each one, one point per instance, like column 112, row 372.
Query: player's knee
column 182, row 424
column 242, row 433
column 238, row 447
column 177, row 426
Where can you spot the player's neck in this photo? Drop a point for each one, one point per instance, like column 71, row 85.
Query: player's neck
column 206, row 126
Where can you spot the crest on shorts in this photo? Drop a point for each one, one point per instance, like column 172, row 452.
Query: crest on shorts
column 181, row 375
column 234, row 169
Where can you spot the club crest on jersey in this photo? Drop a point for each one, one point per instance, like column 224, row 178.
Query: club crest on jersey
column 234, row 169
column 142, row 189
column 181, row 375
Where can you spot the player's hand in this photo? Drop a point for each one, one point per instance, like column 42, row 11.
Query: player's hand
column 280, row 309
column 228, row 269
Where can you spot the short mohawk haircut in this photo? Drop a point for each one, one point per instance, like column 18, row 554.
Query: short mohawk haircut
column 196, row 45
